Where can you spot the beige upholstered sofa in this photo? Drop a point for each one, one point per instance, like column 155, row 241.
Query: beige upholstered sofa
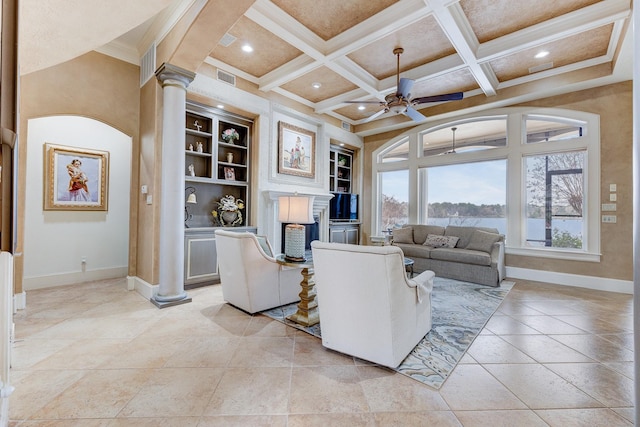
column 368, row 307
column 251, row 278
column 472, row 254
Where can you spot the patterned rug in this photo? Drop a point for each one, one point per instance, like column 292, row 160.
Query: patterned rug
column 459, row 312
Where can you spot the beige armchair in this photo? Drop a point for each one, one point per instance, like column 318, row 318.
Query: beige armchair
column 251, row 278
column 368, row 307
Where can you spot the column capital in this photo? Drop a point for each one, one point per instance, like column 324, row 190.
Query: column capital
column 168, row 74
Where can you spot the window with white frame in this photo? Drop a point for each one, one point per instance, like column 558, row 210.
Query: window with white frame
column 398, row 152
column 528, row 170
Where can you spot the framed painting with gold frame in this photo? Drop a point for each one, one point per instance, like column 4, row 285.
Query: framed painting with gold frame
column 296, row 150
column 75, row 178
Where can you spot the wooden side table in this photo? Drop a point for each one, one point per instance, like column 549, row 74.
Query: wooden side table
column 307, row 313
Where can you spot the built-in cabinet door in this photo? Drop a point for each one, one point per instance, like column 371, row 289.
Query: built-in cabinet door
column 201, row 256
column 337, row 235
column 352, row 235
column 345, row 234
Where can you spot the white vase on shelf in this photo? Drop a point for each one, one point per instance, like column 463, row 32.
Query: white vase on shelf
column 229, row 157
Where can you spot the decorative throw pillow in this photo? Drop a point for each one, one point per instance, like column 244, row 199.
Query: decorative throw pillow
column 436, row 241
column 403, row 235
column 482, row 241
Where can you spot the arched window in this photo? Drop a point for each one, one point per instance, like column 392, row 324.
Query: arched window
column 523, row 171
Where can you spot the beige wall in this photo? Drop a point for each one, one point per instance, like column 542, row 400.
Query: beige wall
column 613, row 104
column 94, row 86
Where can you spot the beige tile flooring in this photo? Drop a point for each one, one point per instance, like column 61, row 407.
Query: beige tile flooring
column 97, row 355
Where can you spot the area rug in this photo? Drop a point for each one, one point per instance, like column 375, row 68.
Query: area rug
column 459, row 312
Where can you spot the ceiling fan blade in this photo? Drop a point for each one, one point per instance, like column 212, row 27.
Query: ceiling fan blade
column 404, row 87
column 456, row 96
column 375, row 115
column 364, row 102
column 414, row 114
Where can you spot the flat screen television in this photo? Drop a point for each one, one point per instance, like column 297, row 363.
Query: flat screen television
column 343, row 207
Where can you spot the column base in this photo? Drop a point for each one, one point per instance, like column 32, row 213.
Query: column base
column 164, row 302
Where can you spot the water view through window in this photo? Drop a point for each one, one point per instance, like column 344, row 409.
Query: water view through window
column 468, row 194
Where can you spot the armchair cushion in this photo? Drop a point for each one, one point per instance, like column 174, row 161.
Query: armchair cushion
column 368, row 307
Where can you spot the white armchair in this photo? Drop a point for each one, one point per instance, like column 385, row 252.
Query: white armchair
column 251, row 278
column 368, row 307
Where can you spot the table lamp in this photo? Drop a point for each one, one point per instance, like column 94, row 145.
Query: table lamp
column 295, row 210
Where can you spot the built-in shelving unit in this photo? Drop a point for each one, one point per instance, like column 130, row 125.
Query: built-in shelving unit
column 340, row 170
column 341, row 180
column 215, row 167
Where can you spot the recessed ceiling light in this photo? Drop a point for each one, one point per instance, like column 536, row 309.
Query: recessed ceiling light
column 361, row 107
column 220, row 106
column 247, row 48
column 316, row 85
column 342, row 144
column 541, row 54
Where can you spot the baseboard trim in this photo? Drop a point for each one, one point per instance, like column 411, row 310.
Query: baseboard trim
column 63, row 279
column 588, row 282
column 145, row 289
column 19, row 301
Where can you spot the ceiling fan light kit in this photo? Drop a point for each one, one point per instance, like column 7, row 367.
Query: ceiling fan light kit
column 400, row 102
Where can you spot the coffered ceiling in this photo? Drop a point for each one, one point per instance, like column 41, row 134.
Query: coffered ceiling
column 479, row 47
column 328, row 52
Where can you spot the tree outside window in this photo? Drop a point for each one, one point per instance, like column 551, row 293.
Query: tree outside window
column 394, row 207
column 555, row 200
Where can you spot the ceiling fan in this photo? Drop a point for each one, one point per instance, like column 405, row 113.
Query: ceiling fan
column 401, row 102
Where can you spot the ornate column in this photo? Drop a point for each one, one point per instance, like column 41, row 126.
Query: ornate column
column 174, row 82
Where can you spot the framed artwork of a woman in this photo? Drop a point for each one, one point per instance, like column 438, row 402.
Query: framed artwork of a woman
column 75, row 178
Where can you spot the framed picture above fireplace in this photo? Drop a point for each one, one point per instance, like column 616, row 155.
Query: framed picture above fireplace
column 296, row 150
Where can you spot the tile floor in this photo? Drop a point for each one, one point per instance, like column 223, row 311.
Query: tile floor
column 98, row 355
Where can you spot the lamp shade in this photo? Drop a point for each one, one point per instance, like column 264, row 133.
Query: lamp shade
column 296, row 209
